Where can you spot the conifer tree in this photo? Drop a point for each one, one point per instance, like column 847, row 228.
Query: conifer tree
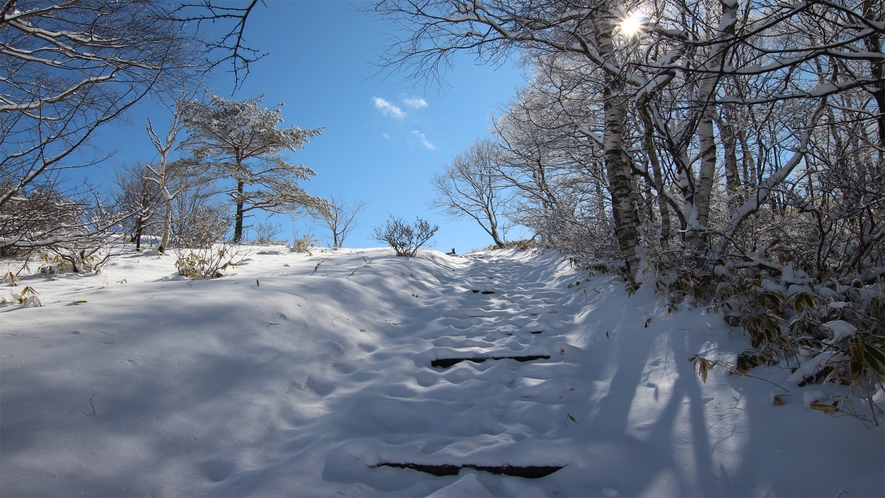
column 241, row 141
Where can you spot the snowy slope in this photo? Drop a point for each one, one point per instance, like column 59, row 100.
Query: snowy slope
column 300, row 375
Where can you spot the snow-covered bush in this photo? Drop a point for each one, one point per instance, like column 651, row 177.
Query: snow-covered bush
column 71, row 257
column 822, row 331
column 265, row 234
column 27, row 297
column 405, row 238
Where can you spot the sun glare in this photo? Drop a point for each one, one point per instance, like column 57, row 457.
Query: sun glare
column 632, row 24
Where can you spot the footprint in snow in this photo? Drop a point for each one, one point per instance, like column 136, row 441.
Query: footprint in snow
column 216, row 470
column 320, row 386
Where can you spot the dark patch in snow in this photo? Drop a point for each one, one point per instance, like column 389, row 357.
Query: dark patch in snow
column 216, row 470
column 452, row 470
column 447, row 362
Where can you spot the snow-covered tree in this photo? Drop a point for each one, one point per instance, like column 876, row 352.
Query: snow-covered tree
column 171, row 177
column 493, row 30
column 241, row 142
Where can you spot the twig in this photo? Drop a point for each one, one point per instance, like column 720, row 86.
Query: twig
column 360, row 266
column 90, row 402
column 317, row 267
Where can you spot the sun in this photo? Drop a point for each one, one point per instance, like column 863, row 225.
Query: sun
column 632, row 24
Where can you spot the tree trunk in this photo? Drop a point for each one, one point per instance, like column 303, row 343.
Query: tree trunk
column 877, row 69
column 654, row 161
column 729, row 146
column 238, row 227
column 139, row 228
column 703, row 188
column 704, row 185
column 497, row 238
column 620, row 185
column 616, row 162
column 167, row 222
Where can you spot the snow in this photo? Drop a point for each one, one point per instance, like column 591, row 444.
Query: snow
column 297, row 375
column 841, row 329
column 811, row 366
column 823, row 89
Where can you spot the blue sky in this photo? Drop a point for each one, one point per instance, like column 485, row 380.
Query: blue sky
column 384, row 137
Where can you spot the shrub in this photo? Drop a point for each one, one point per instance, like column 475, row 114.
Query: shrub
column 71, row 257
column 209, row 262
column 266, row 234
column 201, row 227
column 405, row 238
column 303, row 242
column 522, row 245
column 792, row 319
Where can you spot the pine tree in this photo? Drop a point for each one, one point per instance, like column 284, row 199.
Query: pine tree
column 241, row 142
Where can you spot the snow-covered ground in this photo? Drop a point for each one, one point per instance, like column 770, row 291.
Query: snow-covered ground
column 299, row 375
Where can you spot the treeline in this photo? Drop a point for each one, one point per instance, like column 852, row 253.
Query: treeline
column 728, row 153
column 72, row 67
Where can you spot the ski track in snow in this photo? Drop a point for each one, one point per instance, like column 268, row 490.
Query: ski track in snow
column 293, row 378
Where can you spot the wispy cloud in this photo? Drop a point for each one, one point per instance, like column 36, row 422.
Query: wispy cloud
column 388, row 109
column 385, row 135
column 414, row 102
column 424, row 140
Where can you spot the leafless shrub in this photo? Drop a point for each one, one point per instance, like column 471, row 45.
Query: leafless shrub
column 405, row 238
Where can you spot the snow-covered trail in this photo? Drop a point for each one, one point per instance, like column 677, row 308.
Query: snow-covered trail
column 338, row 374
column 483, row 411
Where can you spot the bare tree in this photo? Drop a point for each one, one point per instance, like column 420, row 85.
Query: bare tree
column 231, row 44
column 553, row 158
column 471, row 187
column 199, row 220
column 171, row 177
column 69, row 67
column 340, row 218
column 136, row 194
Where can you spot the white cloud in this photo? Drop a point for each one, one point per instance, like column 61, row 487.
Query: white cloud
column 424, row 140
column 414, row 102
column 385, row 135
column 388, row 109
